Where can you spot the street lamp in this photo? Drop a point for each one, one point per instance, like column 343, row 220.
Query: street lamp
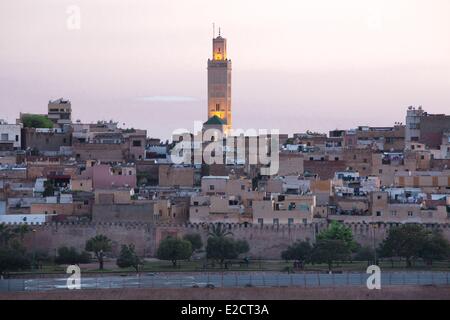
column 374, row 226
column 34, row 249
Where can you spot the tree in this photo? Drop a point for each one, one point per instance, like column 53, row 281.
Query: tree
column 49, row 189
column 223, row 248
column 128, row 258
column 195, row 239
column 6, row 235
column 12, row 254
column 406, row 241
column 330, row 250
column 219, row 230
column 365, row 254
column 36, row 121
column 435, row 247
column 220, row 249
column 21, row 231
column 299, row 250
column 338, row 231
column 13, row 260
column 70, row 255
column 99, row 245
column 174, row 249
column 241, row 246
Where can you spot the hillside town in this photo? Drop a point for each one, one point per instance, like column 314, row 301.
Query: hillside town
column 110, row 204
column 54, row 169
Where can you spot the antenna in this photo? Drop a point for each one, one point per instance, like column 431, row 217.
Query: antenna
column 214, row 30
column 219, row 31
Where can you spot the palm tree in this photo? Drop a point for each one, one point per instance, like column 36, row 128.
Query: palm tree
column 21, row 230
column 219, row 230
column 6, row 234
column 99, row 245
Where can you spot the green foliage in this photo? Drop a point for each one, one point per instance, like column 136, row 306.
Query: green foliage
column 219, row 230
column 299, row 250
column 436, row 247
column 195, row 239
column 7, row 234
column 174, row 249
column 13, row 260
column 222, row 248
column 405, row 241
column 365, row 254
column 99, row 245
column 71, row 256
column 241, row 246
column 36, row 121
column 49, row 189
column 330, row 250
column 13, row 255
column 338, row 231
column 128, row 258
column 412, row 241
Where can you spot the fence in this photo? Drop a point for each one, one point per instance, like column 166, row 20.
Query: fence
column 227, row 280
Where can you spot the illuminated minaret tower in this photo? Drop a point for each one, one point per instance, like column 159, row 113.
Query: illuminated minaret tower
column 219, row 83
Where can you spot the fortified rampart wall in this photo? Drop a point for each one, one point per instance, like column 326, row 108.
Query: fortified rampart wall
column 265, row 241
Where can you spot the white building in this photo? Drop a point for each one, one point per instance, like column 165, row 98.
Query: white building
column 10, row 135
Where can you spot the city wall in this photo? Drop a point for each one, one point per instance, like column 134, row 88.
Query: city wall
column 265, row 242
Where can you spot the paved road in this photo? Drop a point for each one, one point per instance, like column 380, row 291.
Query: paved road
column 258, row 279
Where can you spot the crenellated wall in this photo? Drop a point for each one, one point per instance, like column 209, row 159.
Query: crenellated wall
column 265, row 241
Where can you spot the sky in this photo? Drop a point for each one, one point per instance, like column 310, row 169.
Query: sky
column 297, row 65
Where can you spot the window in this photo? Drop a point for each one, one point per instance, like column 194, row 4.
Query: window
column 305, row 221
column 260, row 220
column 410, row 213
column 378, row 214
column 336, row 158
column 242, row 187
column 393, row 213
column 422, row 157
column 17, row 137
column 4, row 137
column 380, row 171
column 275, row 221
column 379, row 197
column 218, row 107
column 64, row 140
column 137, row 143
column 211, row 187
column 290, row 221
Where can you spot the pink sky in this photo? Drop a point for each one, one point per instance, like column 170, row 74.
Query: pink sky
column 297, row 65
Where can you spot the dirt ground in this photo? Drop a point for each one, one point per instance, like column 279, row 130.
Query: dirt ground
column 276, row 293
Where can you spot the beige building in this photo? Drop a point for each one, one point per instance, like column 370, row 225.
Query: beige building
column 175, row 176
column 114, row 196
column 284, row 209
column 428, row 181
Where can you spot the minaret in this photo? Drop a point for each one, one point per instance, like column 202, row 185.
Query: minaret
column 219, row 82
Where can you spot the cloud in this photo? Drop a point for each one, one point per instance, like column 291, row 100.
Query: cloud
column 167, row 99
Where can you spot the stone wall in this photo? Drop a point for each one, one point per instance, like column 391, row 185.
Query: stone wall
column 265, row 242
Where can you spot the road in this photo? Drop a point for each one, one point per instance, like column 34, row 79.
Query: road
column 256, row 279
